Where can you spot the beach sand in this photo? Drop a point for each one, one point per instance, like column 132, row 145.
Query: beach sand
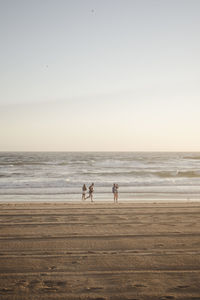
column 99, row 251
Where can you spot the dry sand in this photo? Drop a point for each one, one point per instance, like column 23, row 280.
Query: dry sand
column 100, row 251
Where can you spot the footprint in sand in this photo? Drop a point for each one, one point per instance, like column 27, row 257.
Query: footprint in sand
column 183, row 286
column 159, row 245
column 21, row 282
column 92, row 289
column 52, row 268
column 49, row 283
column 49, row 289
column 6, row 290
column 33, row 283
column 61, row 283
column 139, row 285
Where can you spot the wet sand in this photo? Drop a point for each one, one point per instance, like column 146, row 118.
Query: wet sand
column 100, row 251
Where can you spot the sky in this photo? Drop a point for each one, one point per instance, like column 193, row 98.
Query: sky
column 99, row 75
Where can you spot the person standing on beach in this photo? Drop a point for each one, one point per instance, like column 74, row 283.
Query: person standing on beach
column 115, row 192
column 91, row 191
column 84, row 189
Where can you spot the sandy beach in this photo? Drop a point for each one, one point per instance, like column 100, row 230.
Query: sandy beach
column 100, row 251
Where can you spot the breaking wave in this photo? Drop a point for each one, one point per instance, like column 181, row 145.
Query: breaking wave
column 186, row 174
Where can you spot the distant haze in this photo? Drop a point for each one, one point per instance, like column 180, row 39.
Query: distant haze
column 106, row 75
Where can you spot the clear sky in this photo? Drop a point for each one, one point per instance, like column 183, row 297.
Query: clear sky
column 99, row 75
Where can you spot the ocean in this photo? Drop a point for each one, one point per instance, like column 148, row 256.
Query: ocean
column 59, row 176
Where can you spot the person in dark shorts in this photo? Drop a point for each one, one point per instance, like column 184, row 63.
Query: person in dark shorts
column 91, row 191
column 115, row 192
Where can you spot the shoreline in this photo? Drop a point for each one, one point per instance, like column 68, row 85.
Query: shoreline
column 102, row 198
column 101, row 202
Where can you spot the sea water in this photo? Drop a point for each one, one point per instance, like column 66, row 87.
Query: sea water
column 32, row 176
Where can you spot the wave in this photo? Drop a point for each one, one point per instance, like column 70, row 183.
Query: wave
column 5, row 175
column 146, row 173
column 186, row 174
column 11, row 164
column 113, row 174
column 116, row 173
column 192, row 157
column 12, row 174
